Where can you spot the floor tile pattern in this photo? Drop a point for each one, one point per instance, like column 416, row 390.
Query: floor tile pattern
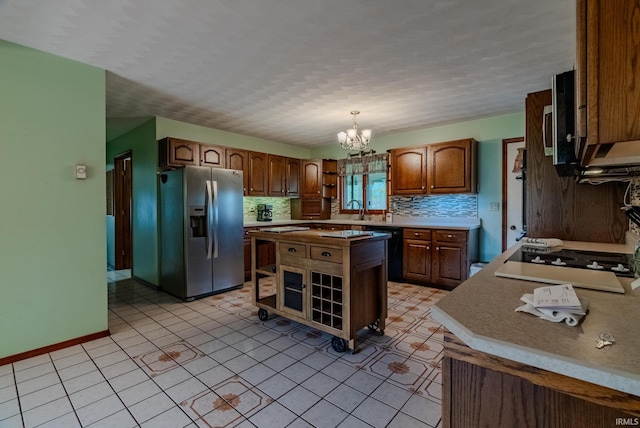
column 212, row 363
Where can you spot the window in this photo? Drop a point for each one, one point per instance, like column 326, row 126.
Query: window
column 369, row 190
column 363, row 183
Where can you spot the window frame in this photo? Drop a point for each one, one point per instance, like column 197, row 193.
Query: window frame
column 365, row 178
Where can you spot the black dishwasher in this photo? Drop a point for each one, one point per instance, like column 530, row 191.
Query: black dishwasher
column 394, row 269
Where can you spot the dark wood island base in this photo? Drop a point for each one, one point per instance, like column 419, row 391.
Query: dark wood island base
column 483, row 390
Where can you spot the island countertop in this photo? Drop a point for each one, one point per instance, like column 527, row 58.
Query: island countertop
column 481, row 312
column 314, row 236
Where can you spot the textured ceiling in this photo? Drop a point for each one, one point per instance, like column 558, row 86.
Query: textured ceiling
column 292, row 70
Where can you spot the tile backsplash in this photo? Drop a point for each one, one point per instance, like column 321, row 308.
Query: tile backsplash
column 459, row 206
column 281, row 206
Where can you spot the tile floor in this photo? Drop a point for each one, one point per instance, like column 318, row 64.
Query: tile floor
column 212, row 363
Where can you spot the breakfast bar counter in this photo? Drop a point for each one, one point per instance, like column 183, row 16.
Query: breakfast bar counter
column 501, row 365
column 335, row 281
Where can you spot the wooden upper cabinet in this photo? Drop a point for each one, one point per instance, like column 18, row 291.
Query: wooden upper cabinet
column 212, row 156
column 239, row 160
column 292, row 177
column 311, row 178
column 452, row 167
column 258, row 174
column 608, row 78
column 409, row 171
column 276, row 176
column 176, row 152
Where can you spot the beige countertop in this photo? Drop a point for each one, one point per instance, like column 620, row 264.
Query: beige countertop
column 481, row 312
column 417, row 222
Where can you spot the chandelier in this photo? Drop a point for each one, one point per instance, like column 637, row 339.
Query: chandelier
column 351, row 139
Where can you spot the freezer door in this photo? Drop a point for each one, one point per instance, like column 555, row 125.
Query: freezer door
column 226, row 221
column 196, row 232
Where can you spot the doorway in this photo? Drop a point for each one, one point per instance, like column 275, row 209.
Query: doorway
column 512, row 190
column 122, row 211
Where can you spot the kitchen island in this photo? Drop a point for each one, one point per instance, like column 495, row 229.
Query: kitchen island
column 333, row 281
column 505, row 368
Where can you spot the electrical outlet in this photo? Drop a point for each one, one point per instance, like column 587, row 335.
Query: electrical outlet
column 494, row 206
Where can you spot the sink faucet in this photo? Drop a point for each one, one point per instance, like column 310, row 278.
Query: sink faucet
column 360, row 210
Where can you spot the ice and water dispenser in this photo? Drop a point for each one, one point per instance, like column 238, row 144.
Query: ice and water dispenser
column 198, row 221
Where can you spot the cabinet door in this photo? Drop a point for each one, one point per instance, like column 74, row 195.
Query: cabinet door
column 292, row 177
column 452, row 167
column 176, row 152
column 258, row 180
column 212, row 156
column 311, row 178
column 416, row 261
column 409, row 171
column 239, row 160
column 292, row 290
column 612, row 76
column 276, row 175
column 449, row 263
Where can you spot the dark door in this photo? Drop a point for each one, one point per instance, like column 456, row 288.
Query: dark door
column 122, row 211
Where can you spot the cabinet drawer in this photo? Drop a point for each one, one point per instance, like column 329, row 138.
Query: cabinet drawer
column 293, row 250
column 450, row 235
column 326, row 254
column 419, row 234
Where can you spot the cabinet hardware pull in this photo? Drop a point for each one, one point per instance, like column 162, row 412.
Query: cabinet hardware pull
column 292, row 250
column 302, row 286
column 423, row 187
column 437, row 248
column 325, row 254
column 427, row 247
column 416, row 234
column 432, row 186
column 318, row 191
column 251, row 189
column 449, row 236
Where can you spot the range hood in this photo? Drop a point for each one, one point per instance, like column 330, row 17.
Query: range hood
column 617, row 154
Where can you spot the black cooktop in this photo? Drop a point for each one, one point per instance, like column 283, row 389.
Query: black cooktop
column 620, row 264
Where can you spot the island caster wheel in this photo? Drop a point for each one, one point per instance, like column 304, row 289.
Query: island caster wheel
column 338, row 344
column 373, row 328
column 262, row 315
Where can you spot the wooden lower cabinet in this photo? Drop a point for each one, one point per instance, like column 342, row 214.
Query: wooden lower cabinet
column 439, row 256
column 482, row 390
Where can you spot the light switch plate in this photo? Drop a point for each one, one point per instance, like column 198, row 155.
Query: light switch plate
column 494, row 206
column 81, row 172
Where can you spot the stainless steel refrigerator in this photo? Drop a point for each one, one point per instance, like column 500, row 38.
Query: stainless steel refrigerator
column 201, row 231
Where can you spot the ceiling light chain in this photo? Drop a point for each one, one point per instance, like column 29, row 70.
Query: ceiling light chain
column 351, row 140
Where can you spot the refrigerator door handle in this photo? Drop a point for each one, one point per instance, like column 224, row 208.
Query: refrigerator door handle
column 215, row 223
column 209, row 205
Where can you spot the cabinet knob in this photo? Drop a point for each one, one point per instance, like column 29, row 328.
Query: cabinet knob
column 318, row 191
column 450, row 236
column 251, row 189
column 437, row 248
column 423, row 187
column 325, row 254
column 416, row 234
column 427, row 247
column 432, row 186
column 291, row 250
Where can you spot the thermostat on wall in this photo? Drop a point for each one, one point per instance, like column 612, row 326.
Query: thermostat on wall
column 81, row 171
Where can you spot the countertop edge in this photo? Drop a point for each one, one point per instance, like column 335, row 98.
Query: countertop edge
column 607, row 377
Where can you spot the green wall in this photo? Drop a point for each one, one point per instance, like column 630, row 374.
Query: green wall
column 52, row 250
column 489, row 133
column 141, row 141
column 201, row 134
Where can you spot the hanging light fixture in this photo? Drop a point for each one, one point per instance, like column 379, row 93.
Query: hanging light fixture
column 351, row 139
